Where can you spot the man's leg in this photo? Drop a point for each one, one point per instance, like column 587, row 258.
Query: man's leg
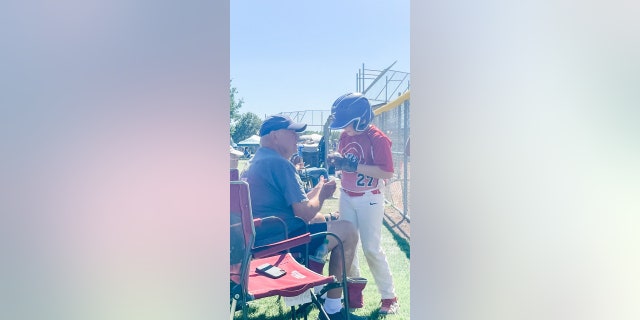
column 314, row 180
column 325, row 173
column 349, row 236
column 315, row 174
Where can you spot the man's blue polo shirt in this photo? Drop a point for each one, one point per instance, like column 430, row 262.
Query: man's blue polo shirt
column 274, row 187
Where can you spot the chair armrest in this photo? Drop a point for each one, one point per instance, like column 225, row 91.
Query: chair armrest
column 257, row 222
column 273, row 248
column 306, row 224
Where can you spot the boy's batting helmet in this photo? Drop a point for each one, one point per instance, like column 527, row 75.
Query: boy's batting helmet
column 351, row 107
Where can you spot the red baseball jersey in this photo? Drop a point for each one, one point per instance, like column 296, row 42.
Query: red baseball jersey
column 371, row 147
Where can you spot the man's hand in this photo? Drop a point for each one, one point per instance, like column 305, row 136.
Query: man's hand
column 342, row 163
column 325, row 188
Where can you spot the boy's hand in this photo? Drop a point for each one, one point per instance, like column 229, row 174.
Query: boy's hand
column 342, row 163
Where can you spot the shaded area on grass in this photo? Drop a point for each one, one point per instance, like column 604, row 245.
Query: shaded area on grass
column 399, row 228
column 402, row 242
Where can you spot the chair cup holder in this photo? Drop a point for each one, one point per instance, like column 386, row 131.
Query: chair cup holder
column 355, row 286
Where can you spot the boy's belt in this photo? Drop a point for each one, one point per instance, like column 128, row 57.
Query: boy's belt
column 359, row 194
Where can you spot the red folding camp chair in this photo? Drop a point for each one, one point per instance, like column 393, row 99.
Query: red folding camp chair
column 246, row 283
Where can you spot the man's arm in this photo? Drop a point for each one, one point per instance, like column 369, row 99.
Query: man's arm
column 310, row 209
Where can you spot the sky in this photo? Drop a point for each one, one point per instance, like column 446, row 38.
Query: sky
column 302, row 55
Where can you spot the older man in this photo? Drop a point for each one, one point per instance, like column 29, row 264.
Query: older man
column 276, row 189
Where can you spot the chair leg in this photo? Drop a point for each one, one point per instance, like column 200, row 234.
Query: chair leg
column 304, row 308
column 345, row 294
column 233, row 308
column 320, row 307
column 245, row 311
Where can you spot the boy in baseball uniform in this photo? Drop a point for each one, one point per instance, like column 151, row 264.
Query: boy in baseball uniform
column 365, row 159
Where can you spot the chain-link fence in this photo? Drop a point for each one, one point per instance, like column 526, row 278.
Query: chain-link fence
column 391, row 103
column 394, row 122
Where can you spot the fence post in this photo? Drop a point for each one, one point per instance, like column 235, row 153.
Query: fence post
column 405, row 182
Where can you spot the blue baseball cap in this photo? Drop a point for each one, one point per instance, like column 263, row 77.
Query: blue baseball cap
column 280, row 121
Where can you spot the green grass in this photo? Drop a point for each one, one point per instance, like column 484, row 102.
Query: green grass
column 397, row 250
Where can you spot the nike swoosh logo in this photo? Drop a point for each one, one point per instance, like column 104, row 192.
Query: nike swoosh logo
column 372, row 203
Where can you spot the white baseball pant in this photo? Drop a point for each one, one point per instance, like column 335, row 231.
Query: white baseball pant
column 366, row 213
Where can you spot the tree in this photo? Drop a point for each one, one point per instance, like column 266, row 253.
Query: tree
column 234, row 113
column 247, row 125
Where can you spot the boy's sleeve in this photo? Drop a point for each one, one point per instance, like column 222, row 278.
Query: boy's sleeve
column 382, row 155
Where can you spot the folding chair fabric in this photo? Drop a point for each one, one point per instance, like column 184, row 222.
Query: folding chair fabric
column 297, row 280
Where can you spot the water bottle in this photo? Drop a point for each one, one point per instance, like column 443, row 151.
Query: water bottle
column 321, row 254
